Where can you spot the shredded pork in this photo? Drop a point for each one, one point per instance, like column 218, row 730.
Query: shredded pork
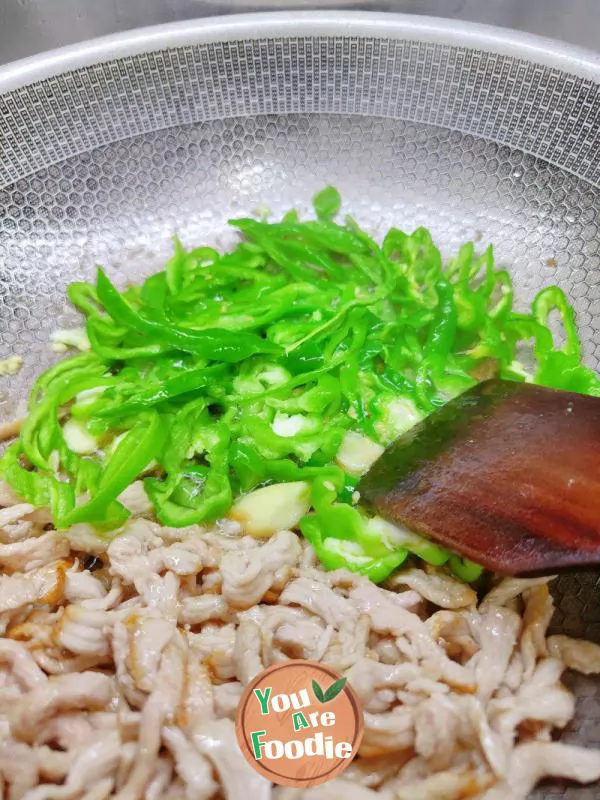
column 120, row 675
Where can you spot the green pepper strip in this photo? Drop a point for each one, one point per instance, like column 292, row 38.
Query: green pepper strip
column 332, row 557
column 32, row 486
column 131, row 456
column 41, row 426
column 212, row 344
column 175, row 269
column 194, row 381
column 209, row 495
column 341, row 538
column 327, row 202
column 464, row 569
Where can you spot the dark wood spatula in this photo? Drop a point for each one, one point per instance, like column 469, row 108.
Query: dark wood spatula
column 507, row 474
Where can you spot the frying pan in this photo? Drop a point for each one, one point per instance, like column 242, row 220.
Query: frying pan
column 109, row 147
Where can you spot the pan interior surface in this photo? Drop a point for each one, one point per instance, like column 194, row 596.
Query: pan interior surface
column 102, row 165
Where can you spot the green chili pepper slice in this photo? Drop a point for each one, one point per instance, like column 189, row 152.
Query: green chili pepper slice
column 223, row 373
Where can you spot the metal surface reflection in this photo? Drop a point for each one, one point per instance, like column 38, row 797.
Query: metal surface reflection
column 32, row 26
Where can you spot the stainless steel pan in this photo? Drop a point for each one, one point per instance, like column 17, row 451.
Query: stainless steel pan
column 109, row 147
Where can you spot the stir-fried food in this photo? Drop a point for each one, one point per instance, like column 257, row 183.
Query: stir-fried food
column 121, row 669
column 178, row 512
column 289, row 362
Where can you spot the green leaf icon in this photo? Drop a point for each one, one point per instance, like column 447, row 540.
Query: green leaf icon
column 318, row 692
column 334, row 689
column 331, row 693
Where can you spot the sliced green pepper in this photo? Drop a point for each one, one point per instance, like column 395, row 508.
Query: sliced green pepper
column 213, row 344
column 130, row 458
column 226, row 372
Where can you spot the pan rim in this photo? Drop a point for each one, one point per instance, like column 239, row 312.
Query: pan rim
column 567, row 58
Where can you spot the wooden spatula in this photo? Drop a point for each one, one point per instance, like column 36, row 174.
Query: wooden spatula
column 507, row 474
